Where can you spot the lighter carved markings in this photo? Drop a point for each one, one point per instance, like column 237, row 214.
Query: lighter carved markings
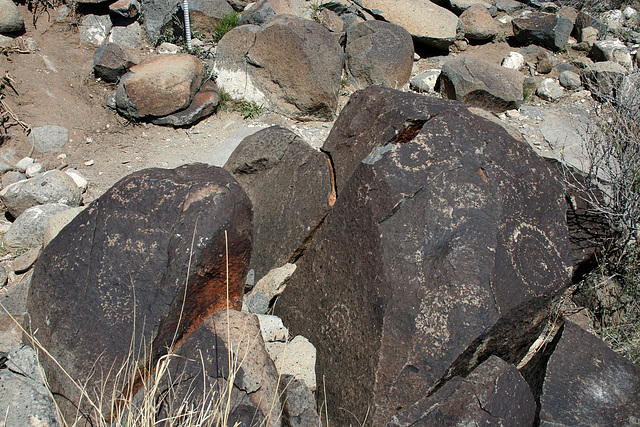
column 516, row 245
column 201, row 194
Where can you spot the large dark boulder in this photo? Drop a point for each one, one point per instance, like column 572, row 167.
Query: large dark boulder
column 545, row 29
column 493, row 394
column 289, row 184
column 587, row 383
column 445, row 246
column 135, row 272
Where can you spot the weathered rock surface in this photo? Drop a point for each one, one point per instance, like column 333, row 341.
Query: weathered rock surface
column 50, row 187
column 424, row 264
column 135, row 277
column 587, row 383
column 379, row 53
column 129, row 36
column 200, row 367
column 428, row 23
column 27, row 231
column 49, row 138
column 289, row 184
column 25, row 399
column 265, row 10
column 550, row 90
column 603, row 79
column 493, row 394
column 291, row 65
column 125, row 8
column 159, row 86
column 203, row 104
column 545, row 29
column 425, row 81
column 482, row 83
column 300, row 404
column 612, row 50
column 11, row 19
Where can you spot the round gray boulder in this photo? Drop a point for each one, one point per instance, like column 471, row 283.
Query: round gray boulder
column 11, row 19
column 27, row 231
column 379, row 53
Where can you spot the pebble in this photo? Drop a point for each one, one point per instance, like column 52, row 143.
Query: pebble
column 89, row 163
column 33, row 169
column 23, row 164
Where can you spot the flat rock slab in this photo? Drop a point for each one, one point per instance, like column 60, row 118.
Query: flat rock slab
column 493, row 394
column 203, row 104
column 445, row 246
column 289, row 184
column 428, row 23
column 544, row 29
column 148, row 266
column 587, row 383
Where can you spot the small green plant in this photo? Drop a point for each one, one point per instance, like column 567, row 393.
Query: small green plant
column 248, row 109
column 226, row 24
column 528, row 89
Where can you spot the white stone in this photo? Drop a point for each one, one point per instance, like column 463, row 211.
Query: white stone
column 514, row 61
column 550, row 90
column 274, row 282
column 296, row 358
column 33, row 169
column 167, row 47
column 272, row 328
column 629, row 12
column 22, row 165
column 77, row 178
column 239, row 85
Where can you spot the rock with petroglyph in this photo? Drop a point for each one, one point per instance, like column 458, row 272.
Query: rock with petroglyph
column 290, row 186
column 446, row 244
column 148, row 266
column 50, row 187
column 290, row 65
column 493, row 394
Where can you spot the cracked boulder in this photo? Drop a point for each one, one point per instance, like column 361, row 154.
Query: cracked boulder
column 290, row 65
column 587, row 383
column 148, row 265
column 482, row 83
column 159, row 86
column 199, row 372
column 493, row 394
column 446, row 244
column 290, row 186
column 379, row 53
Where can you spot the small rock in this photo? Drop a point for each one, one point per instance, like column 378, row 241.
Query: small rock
column 299, row 359
column 258, row 303
column 425, row 81
column 589, row 35
column 94, row 29
column 50, row 138
column 3, row 278
column 11, row 19
column 570, row 80
column 25, row 261
column 129, row 36
column 89, row 163
column 111, row 61
column 22, row 165
column 478, row 24
column 612, row 50
column 34, row 169
column 78, row 179
column 50, row 187
column 300, row 405
column 274, row 282
column 204, row 103
column 514, row 61
column 629, row 12
column 167, row 47
column 62, row 13
column 28, row 44
column 27, row 231
column 126, row 8
column 550, row 90
column 272, row 328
